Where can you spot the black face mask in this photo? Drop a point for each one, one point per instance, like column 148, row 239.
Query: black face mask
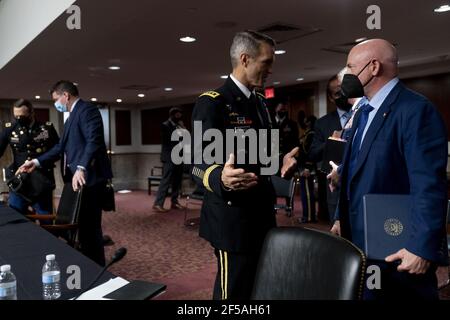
column 342, row 103
column 23, row 121
column 351, row 86
column 281, row 114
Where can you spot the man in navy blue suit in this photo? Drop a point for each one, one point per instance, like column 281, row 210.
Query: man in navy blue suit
column 398, row 145
column 84, row 162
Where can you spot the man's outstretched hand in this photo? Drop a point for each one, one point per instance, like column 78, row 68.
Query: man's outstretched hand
column 27, row 167
column 237, row 179
column 289, row 163
column 333, row 176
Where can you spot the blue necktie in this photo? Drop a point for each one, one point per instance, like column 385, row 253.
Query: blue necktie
column 354, row 152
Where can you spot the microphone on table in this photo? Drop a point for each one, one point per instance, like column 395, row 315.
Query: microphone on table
column 118, row 255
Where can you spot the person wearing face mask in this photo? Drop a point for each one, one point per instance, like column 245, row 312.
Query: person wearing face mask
column 84, row 163
column 172, row 173
column 28, row 138
column 288, row 129
column 238, row 206
column 397, row 145
column 327, row 126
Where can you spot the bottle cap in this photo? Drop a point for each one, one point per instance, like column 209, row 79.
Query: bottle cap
column 50, row 257
column 5, row 268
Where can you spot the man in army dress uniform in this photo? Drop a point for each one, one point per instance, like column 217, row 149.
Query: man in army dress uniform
column 28, row 139
column 237, row 210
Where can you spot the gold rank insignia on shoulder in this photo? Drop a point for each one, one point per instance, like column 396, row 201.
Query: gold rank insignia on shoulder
column 198, row 172
column 8, row 124
column 212, row 94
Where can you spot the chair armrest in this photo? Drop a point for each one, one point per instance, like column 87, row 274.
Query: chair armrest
column 56, row 227
column 41, row 216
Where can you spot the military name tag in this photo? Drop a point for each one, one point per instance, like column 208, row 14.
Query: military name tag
column 241, row 121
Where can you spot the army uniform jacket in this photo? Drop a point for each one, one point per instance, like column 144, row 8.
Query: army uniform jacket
column 28, row 143
column 235, row 221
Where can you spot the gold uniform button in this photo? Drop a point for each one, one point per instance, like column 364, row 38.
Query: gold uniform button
column 28, row 146
column 38, row 150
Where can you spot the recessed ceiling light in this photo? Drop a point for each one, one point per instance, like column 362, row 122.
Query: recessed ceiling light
column 114, row 68
column 141, row 95
column 276, row 82
column 442, row 8
column 361, row 39
column 299, row 79
column 37, row 97
column 93, row 99
column 168, row 89
column 119, row 100
column 280, row 51
column 224, row 77
column 187, row 39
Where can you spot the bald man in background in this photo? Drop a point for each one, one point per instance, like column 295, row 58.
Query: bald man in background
column 398, row 145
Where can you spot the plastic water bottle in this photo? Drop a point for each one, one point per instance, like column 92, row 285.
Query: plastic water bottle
column 8, row 284
column 51, row 277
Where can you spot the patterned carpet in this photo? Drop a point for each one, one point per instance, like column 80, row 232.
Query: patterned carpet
column 161, row 249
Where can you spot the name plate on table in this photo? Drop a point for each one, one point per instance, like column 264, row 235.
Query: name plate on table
column 386, row 224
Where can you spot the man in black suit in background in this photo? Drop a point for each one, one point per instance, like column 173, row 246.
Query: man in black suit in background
column 288, row 129
column 325, row 127
column 172, row 173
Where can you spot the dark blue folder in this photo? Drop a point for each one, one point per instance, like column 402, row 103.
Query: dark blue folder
column 386, row 224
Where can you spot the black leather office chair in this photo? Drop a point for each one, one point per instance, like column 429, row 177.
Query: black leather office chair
column 305, row 264
column 64, row 223
column 286, row 189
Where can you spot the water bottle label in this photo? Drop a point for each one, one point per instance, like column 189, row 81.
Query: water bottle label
column 51, row 277
column 7, row 289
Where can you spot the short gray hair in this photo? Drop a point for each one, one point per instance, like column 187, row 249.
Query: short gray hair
column 248, row 42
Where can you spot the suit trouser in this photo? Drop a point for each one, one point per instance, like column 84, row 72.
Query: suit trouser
column 90, row 223
column 172, row 175
column 331, row 211
column 235, row 275
column 308, row 199
column 397, row 285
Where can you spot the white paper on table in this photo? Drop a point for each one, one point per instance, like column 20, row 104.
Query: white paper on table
column 97, row 293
